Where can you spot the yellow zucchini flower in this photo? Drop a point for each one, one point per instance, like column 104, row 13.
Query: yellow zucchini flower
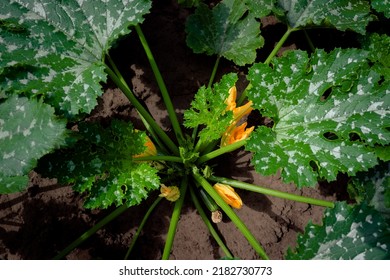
column 171, row 193
column 236, row 133
column 238, row 112
column 228, row 195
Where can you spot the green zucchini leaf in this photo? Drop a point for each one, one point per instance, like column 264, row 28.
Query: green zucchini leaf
column 57, row 48
column 328, row 112
column 227, row 30
column 28, row 130
column 373, row 187
column 347, row 233
column 378, row 46
column 209, row 109
column 341, row 14
column 101, row 165
column 262, row 8
column 382, row 6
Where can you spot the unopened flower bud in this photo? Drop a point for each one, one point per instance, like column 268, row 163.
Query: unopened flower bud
column 171, row 193
column 228, row 195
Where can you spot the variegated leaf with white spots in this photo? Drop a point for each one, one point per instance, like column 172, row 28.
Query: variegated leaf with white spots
column 382, row 6
column 262, row 8
column 347, row 233
column 327, row 112
column 100, row 164
column 378, row 46
column 342, row 14
column 28, row 130
column 373, row 187
column 56, row 48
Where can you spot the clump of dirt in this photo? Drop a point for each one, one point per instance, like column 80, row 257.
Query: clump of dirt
column 44, row 219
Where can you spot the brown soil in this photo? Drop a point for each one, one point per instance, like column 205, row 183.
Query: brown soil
column 44, row 219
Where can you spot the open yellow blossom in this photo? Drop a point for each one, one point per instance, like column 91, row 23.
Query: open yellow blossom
column 228, row 195
column 150, row 149
column 231, row 100
column 238, row 112
column 236, row 133
column 171, row 193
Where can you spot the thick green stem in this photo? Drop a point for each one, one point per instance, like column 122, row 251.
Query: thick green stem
column 309, row 41
column 221, row 151
column 199, row 146
column 141, row 226
column 214, row 72
column 91, row 231
column 243, row 95
column 175, row 219
column 159, row 158
column 116, row 70
column 231, row 214
column 161, row 84
column 154, row 136
column 143, row 112
column 269, row 58
column 210, row 147
column 267, row 191
column 146, row 124
column 279, row 45
column 209, row 225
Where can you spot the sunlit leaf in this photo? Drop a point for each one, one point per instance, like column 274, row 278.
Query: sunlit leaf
column 327, row 111
column 57, row 48
column 341, row 14
column 347, row 233
column 28, row 130
column 209, row 109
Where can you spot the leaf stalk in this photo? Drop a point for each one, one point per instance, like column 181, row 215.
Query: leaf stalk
column 221, row 151
column 146, row 124
column 143, row 112
column 91, row 231
column 212, row 77
column 232, row 215
column 209, row 225
column 161, row 84
column 175, row 219
column 141, row 226
column 279, row 45
column 267, row 191
column 159, row 158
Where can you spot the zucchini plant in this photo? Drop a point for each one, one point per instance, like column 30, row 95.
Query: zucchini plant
column 328, row 112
